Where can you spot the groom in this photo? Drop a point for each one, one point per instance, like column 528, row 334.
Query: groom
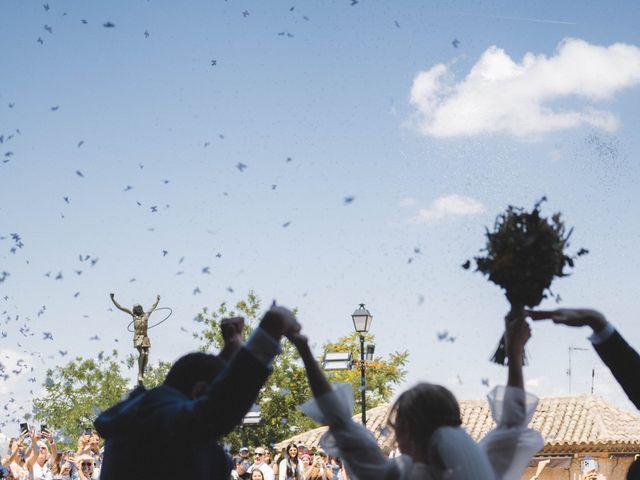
column 172, row 430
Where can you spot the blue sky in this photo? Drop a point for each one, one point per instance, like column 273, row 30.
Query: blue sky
column 343, row 92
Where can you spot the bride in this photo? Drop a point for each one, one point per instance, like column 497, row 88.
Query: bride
column 427, row 424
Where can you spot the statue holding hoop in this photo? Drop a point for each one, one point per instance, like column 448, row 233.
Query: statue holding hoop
column 140, row 326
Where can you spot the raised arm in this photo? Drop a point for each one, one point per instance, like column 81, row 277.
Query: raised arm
column 517, row 334
column 622, row 359
column 233, row 392
column 52, row 442
column 511, row 445
column 14, row 453
column 155, row 305
column 230, row 395
column 317, row 380
column 351, row 441
column 32, row 452
column 231, row 329
column 126, row 310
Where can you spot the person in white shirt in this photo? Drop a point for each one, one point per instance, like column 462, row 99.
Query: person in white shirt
column 290, row 467
column 42, row 466
column 267, row 471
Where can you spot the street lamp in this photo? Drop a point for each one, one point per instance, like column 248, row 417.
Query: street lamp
column 362, row 322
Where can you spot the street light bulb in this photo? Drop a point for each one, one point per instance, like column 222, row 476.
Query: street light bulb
column 361, row 319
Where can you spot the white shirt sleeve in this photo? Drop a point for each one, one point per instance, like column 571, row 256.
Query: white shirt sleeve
column 511, row 445
column 350, row 441
column 602, row 335
column 267, row 471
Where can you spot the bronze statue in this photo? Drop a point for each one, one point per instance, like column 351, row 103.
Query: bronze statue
column 140, row 339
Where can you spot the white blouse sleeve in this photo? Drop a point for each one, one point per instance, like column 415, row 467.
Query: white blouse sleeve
column 282, row 469
column 350, row 441
column 511, row 445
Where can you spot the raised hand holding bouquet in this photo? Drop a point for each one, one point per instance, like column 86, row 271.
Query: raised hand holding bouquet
column 523, row 255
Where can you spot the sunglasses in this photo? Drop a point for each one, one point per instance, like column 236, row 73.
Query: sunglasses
column 87, row 464
column 258, row 454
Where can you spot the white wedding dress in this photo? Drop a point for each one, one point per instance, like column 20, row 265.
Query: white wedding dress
column 502, row 454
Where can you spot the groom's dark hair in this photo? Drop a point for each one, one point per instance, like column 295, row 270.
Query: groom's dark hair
column 193, row 368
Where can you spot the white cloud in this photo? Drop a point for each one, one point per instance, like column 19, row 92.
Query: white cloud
column 448, row 206
column 500, row 95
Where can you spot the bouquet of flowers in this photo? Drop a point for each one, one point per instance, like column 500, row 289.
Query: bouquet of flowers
column 523, row 255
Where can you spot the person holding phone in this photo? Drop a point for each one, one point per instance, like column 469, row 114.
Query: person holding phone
column 16, row 460
column 589, row 469
column 32, row 452
column 95, row 451
column 42, row 466
column 84, row 441
column 319, row 469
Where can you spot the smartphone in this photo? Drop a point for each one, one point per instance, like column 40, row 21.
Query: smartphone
column 87, row 431
column 43, row 429
column 588, row 463
column 24, row 429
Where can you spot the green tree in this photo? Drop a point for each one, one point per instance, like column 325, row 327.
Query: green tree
column 287, row 387
column 77, row 392
column 381, row 374
column 154, row 375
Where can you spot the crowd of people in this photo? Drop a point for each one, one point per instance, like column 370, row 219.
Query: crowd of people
column 174, row 430
column 293, row 462
column 34, row 455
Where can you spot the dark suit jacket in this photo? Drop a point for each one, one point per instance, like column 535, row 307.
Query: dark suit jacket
column 160, row 433
column 624, row 363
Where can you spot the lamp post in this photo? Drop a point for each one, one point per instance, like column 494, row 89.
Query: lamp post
column 362, row 322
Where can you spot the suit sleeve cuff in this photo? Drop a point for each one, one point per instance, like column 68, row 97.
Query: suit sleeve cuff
column 263, row 347
column 602, row 335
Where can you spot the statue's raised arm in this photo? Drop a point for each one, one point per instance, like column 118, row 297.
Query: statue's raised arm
column 119, row 307
column 155, row 305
